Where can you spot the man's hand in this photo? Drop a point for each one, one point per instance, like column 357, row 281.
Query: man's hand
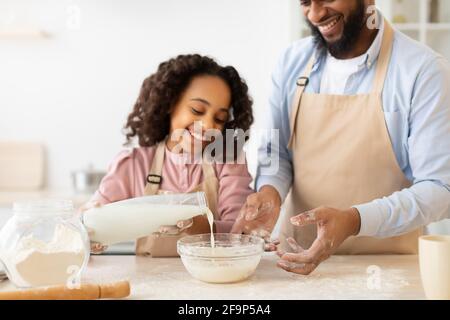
column 333, row 227
column 259, row 214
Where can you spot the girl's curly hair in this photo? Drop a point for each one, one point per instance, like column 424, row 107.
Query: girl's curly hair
column 150, row 119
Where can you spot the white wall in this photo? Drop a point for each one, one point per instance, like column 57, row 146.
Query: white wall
column 74, row 90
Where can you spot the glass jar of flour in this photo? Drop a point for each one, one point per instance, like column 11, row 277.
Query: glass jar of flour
column 44, row 243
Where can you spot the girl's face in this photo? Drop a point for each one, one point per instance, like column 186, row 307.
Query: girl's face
column 200, row 113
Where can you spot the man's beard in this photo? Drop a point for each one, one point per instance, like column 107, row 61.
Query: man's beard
column 352, row 30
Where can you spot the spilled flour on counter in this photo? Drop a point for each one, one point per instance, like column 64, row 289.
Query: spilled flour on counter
column 37, row 263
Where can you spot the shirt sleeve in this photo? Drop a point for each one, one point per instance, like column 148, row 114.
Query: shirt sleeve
column 118, row 183
column 428, row 145
column 234, row 188
column 274, row 161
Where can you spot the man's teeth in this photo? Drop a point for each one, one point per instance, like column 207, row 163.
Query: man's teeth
column 329, row 25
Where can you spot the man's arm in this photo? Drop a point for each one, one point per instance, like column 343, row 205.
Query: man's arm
column 428, row 200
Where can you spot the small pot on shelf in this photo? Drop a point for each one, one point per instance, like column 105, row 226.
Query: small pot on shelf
column 87, row 180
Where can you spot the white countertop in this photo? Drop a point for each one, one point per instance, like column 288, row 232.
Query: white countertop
column 340, row 277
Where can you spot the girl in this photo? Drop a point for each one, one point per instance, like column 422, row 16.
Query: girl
column 186, row 93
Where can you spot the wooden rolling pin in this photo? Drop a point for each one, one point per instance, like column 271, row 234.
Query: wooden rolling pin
column 85, row 292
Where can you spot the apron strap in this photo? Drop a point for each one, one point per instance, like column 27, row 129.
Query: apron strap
column 208, row 170
column 210, row 186
column 302, row 82
column 383, row 58
column 154, row 178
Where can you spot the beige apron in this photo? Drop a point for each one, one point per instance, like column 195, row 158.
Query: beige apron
column 165, row 245
column 343, row 156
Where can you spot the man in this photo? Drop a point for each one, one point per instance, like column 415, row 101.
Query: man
column 363, row 114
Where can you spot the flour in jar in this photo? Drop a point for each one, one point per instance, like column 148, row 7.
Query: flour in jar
column 39, row 263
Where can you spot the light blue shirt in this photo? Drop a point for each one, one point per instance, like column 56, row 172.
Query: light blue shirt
column 416, row 104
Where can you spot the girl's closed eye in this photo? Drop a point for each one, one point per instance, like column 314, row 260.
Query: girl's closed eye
column 222, row 119
column 219, row 120
column 197, row 111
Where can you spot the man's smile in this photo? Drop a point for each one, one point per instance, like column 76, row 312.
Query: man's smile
column 329, row 27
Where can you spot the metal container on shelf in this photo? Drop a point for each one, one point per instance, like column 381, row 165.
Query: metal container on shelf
column 87, row 180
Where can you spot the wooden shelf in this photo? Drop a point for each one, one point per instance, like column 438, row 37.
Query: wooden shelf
column 418, row 26
column 18, row 33
column 408, row 26
column 438, row 26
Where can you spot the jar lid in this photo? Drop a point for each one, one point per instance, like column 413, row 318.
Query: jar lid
column 44, row 207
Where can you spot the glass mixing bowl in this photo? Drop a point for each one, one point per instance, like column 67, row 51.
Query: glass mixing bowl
column 234, row 257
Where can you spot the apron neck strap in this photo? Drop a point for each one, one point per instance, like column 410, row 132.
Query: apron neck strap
column 154, row 178
column 383, row 58
column 210, row 186
column 302, row 82
column 208, row 170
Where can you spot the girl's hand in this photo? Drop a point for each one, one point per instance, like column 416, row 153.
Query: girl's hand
column 96, row 248
column 87, row 206
column 197, row 225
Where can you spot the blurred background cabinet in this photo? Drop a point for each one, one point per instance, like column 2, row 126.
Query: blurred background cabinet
column 427, row 21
